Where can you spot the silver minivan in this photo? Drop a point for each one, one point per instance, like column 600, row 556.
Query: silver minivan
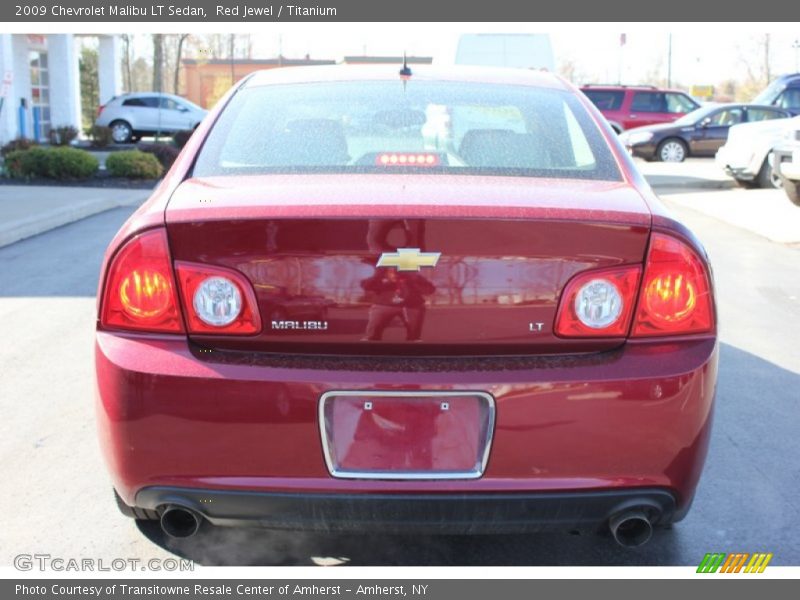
column 132, row 116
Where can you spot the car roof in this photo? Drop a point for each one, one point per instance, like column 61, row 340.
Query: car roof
column 710, row 107
column 764, row 106
column 454, row 73
column 147, row 94
column 720, row 105
column 622, row 88
column 789, row 78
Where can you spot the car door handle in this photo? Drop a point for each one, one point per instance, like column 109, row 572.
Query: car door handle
column 634, row 116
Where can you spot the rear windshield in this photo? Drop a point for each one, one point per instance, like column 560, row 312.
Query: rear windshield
column 413, row 126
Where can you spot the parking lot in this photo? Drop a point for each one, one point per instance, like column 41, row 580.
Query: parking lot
column 59, row 500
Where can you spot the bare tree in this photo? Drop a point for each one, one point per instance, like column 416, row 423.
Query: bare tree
column 754, row 56
column 568, row 69
column 218, row 46
column 126, row 62
column 178, row 54
column 655, row 74
column 158, row 62
column 212, row 46
column 141, row 75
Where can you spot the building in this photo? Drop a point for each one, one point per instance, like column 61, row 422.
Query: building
column 41, row 82
column 387, row 60
column 206, row 80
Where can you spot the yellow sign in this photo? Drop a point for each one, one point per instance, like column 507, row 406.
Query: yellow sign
column 702, row 91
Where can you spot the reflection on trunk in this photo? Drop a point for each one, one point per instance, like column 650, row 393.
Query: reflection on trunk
column 396, row 296
column 319, row 289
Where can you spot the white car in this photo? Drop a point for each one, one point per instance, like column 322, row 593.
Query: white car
column 787, row 157
column 131, row 116
column 746, row 154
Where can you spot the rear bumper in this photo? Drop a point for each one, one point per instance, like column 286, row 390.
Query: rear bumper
column 625, row 420
column 414, row 513
column 786, row 161
column 740, row 173
column 743, row 166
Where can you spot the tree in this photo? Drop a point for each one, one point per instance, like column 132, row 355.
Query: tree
column 158, row 62
column 141, row 75
column 655, row 74
column 570, row 71
column 754, row 56
column 89, row 83
column 178, row 54
column 218, row 46
column 127, row 79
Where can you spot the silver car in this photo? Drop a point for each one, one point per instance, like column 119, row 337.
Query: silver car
column 132, row 116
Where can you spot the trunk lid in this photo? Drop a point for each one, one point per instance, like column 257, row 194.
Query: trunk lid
column 310, row 245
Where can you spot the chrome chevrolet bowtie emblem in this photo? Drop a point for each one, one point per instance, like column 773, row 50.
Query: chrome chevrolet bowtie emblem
column 408, row 259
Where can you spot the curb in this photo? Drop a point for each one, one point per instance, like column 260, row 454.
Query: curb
column 14, row 231
column 707, row 184
column 20, row 229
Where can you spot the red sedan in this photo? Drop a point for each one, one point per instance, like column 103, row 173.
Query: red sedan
column 432, row 301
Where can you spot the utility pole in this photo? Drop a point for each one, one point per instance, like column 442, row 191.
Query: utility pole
column 669, row 62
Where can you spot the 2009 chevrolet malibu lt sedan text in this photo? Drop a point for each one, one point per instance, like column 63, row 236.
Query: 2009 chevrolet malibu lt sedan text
column 439, row 301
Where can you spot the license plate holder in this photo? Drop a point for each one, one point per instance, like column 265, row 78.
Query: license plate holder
column 406, row 435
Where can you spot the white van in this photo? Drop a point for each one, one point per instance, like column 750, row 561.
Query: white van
column 520, row 50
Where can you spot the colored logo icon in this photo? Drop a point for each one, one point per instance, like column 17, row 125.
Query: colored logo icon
column 735, row 563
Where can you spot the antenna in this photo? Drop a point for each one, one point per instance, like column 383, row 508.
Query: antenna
column 405, row 72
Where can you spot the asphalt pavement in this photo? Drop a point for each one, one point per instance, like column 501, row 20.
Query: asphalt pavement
column 58, row 497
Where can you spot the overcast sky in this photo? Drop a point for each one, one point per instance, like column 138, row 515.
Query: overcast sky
column 701, row 53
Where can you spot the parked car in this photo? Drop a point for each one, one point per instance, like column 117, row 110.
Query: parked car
column 784, row 93
column 131, row 116
column 786, row 161
column 627, row 107
column 746, row 154
column 700, row 133
column 517, row 333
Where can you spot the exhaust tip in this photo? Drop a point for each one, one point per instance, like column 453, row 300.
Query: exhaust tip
column 179, row 522
column 631, row 529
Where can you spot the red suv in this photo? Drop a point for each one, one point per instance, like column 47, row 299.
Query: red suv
column 627, row 107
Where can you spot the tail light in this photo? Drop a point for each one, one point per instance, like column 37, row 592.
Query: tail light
column 99, row 111
column 140, row 293
column 217, row 301
column 674, row 297
column 598, row 303
column 676, row 292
